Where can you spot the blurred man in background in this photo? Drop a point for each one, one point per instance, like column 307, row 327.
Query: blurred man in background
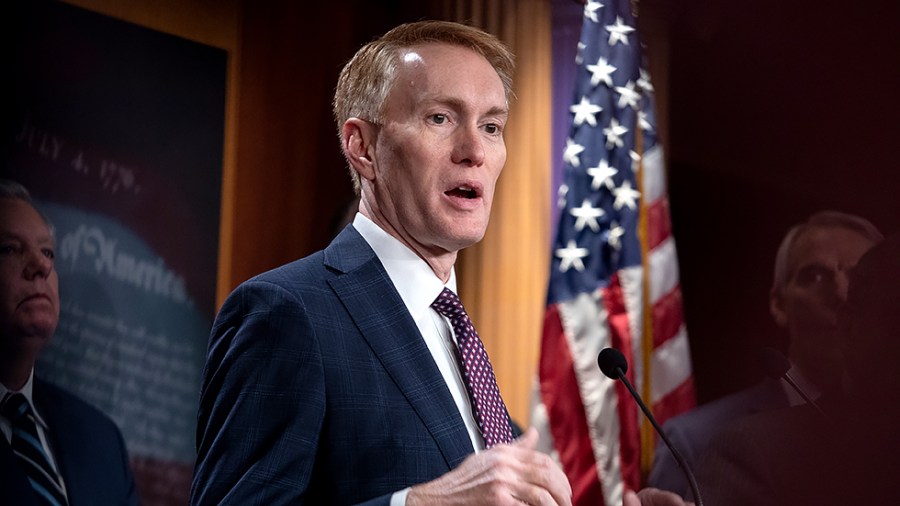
column 56, row 449
column 849, row 453
column 808, row 295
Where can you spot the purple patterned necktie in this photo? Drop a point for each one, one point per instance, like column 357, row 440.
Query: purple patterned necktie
column 490, row 412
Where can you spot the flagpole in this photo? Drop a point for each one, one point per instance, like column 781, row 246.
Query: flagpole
column 646, row 431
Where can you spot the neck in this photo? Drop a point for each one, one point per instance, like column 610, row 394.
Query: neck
column 440, row 261
column 18, row 354
column 15, row 373
column 441, row 266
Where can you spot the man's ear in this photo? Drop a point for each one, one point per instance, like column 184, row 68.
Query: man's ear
column 776, row 307
column 358, row 142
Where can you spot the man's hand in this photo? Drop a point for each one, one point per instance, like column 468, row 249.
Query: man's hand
column 511, row 474
column 653, row 497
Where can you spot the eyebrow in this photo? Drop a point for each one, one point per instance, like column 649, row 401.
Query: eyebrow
column 6, row 235
column 459, row 104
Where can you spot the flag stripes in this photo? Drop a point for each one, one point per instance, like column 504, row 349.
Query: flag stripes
column 614, row 279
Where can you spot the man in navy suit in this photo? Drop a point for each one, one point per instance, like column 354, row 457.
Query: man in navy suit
column 332, row 379
column 77, row 452
column 809, row 291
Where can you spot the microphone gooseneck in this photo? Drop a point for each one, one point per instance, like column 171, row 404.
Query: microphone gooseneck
column 775, row 364
column 613, row 364
column 778, row 367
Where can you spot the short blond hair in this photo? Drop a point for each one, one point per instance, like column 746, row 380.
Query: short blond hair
column 367, row 79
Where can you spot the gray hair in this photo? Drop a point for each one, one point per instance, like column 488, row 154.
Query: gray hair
column 10, row 189
column 820, row 219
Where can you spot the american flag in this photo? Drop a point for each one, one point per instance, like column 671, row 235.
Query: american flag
column 614, row 274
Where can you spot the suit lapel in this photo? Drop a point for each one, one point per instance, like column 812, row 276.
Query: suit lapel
column 61, row 444
column 64, row 446
column 385, row 324
column 14, row 486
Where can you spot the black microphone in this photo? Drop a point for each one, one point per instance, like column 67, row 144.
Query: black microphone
column 777, row 367
column 614, row 366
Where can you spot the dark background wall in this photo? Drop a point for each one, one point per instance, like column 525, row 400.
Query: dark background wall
column 771, row 110
column 777, row 109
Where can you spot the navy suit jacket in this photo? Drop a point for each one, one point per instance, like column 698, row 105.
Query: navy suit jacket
column 88, row 449
column 692, row 432
column 319, row 389
column 794, row 456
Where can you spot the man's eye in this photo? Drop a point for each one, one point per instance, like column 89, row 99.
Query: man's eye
column 7, row 249
column 49, row 253
column 438, row 118
column 492, row 128
column 813, row 276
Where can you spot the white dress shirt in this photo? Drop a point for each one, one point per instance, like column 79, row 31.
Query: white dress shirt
column 418, row 287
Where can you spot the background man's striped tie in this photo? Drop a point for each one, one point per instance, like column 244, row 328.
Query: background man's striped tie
column 26, row 444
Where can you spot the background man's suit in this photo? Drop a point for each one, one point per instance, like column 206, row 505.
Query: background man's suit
column 692, row 432
column 88, row 449
column 319, row 389
column 794, row 456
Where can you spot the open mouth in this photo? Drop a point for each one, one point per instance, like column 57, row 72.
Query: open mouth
column 463, row 192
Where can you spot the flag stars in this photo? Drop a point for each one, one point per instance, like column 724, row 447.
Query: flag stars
column 635, row 160
column 643, row 82
column 570, row 155
column 614, row 236
column 587, row 215
column 590, row 10
column 571, row 256
column 625, row 196
column 628, row 96
column 561, row 195
column 614, row 133
column 644, row 122
column 619, row 32
column 601, row 72
column 585, row 111
column 602, row 174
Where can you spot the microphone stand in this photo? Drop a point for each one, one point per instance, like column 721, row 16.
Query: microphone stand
column 613, row 364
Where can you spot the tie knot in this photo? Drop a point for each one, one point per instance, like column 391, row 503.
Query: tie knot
column 449, row 305
column 14, row 406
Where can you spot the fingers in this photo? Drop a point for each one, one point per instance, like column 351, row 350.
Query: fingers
column 528, row 440
column 501, row 475
column 655, row 497
column 630, row 499
column 540, row 479
column 549, row 494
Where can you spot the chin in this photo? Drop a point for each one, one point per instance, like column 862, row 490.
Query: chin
column 463, row 241
column 40, row 331
column 453, row 232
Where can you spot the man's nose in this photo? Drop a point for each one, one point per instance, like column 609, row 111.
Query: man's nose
column 841, row 282
column 469, row 146
column 37, row 264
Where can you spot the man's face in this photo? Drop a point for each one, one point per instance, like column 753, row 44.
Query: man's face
column 440, row 151
column 29, row 287
column 809, row 306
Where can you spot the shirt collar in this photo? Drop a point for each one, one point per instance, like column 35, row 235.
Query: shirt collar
column 414, row 280
column 26, row 390
column 808, row 387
